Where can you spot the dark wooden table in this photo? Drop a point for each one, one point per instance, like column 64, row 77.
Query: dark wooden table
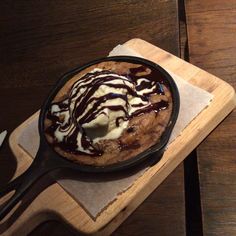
column 212, row 46
column 41, row 40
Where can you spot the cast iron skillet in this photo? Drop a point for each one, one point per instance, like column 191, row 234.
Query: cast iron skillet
column 47, row 159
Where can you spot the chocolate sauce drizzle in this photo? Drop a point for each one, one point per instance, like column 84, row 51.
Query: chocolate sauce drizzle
column 68, row 115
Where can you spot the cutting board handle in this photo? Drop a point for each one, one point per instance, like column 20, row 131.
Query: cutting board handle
column 22, row 183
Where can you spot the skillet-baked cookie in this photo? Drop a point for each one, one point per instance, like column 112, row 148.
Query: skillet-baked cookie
column 109, row 112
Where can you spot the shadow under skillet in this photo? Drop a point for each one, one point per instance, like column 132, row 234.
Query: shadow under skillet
column 8, row 164
column 36, row 189
column 54, row 227
column 61, row 174
column 51, row 178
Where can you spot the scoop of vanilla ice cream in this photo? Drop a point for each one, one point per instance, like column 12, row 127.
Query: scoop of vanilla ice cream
column 103, row 126
column 101, row 103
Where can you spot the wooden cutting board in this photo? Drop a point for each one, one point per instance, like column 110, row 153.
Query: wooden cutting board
column 55, row 203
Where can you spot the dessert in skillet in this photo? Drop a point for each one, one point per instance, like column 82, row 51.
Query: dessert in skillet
column 109, row 112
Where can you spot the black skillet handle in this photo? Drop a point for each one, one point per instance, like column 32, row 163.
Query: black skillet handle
column 41, row 165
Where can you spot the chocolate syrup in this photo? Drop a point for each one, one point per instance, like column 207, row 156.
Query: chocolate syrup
column 153, row 81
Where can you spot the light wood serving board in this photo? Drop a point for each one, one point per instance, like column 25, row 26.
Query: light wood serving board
column 55, row 203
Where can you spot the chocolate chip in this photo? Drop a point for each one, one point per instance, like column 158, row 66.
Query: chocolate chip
column 130, row 130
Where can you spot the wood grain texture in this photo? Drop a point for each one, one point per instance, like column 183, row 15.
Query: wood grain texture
column 156, row 204
column 41, row 40
column 211, row 35
column 63, row 205
column 212, row 46
column 145, row 220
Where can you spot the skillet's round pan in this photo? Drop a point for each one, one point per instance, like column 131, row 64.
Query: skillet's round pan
column 47, row 159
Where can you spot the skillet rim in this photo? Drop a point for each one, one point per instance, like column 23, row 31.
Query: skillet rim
column 158, row 148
